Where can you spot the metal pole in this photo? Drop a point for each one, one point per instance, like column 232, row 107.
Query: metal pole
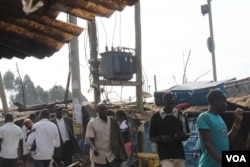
column 212, row 39
column 155, row 83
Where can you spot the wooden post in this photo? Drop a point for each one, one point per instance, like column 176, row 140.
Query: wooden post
column 93, row 59
column 139, row 99
column 138, row 55
column 74, row 59
column 3, row 97
column 76, row 81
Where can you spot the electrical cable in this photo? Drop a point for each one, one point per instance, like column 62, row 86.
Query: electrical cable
column 105, row 33
column 97, row 36
column 85, row 44
column 146, row 78
column 120, row 27
column 114, row 29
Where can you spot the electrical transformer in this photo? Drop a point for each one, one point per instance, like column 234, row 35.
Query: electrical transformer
column 118, row 65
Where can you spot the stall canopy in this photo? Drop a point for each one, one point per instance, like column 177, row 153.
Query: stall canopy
column 29, row 27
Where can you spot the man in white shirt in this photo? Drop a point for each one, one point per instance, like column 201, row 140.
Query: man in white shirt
column 100, row 132
column 26, row 129
column 11, row 141
column 47, row 137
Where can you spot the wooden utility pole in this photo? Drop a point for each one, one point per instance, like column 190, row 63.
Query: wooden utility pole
column 93, row 59
column 76, row 81
column 138, row 56
column 3, row 97
column 75, row 69
column 139, row 99
column 24, row 103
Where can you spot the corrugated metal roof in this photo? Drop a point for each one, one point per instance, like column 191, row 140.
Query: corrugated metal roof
column 39, row 34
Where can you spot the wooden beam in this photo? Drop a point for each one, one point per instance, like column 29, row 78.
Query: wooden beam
column 95, row 9
column 44, row 20
column 43, row 11
column 118, row 83
column 73, row 11
column 39, row 28
column 31, row 35
column 112, row 4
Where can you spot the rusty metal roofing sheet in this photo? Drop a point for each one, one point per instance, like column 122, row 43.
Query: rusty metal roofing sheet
column 38, row 33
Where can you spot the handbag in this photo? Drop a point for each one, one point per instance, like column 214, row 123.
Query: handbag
column 33, row 146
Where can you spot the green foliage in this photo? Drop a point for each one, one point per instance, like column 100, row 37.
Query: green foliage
column 43, row 95
column 32, row 95
column 30, row 91
column 57, row 93
column 8, row 80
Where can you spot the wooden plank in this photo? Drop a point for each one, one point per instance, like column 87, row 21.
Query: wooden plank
column 31, row 35
column 43, row 11
column 118, row 83
column 95, row 9
column 44, row 20
column 112, row 4
column 73, row 11
column 39, row 28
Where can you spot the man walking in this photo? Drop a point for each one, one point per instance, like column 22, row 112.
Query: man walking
column 105, row 140
column 26, row 129
column 67, row 137
column 168, row 128
column 213, row 133
column 46, row 136
column 10, row 141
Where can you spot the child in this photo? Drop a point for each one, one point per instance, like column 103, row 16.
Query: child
column 121, row 117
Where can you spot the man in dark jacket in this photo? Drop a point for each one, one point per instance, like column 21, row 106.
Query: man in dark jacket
column 168, row 128
column 67, row 137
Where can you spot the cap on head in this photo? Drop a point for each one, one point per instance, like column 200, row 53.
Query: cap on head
column 101, row 106
column 57, row 107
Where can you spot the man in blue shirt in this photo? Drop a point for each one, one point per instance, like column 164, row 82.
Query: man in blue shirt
column 213, row 134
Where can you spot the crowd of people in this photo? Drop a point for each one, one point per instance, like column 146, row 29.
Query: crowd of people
column 42, row 141
column 106, row 138
column 45, row 141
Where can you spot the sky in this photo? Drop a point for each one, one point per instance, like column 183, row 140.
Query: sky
column 170, row 30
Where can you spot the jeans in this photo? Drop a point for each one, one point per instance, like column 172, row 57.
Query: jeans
column 8, row 162
column 41, row 163
column 114, row 163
